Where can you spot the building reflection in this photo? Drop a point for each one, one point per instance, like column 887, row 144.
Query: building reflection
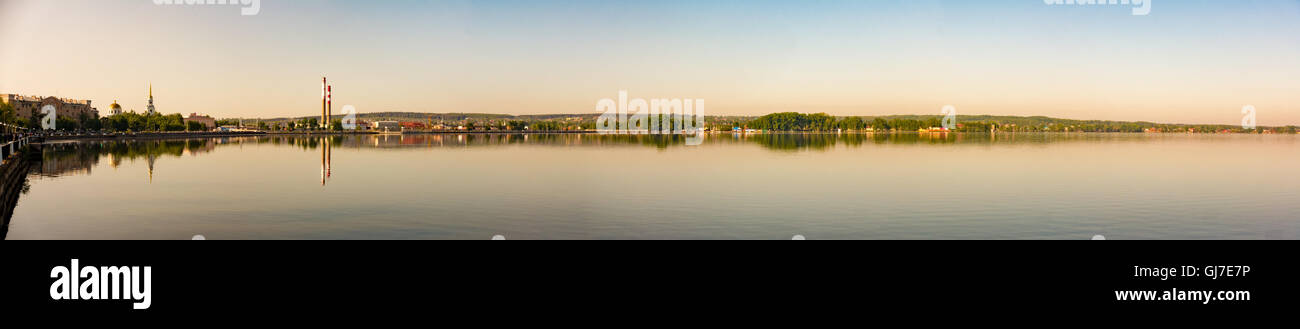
column 68, row 159
column 80, row 158
column 772, row 141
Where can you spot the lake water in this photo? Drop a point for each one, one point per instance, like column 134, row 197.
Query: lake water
column 1008, row 186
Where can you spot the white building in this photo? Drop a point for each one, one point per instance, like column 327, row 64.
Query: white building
column 387, row 126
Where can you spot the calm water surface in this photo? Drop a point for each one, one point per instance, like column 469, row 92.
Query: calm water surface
column 1008, row 186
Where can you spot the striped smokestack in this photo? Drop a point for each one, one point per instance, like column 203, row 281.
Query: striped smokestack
column 323, row 95
column 329, row 109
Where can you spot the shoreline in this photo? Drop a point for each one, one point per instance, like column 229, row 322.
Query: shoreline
column 189, row 135
column 57, row 138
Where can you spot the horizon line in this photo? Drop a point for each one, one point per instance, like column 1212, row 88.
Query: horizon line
column 761, row 115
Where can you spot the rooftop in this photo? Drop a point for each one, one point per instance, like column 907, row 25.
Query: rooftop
column 22, row 98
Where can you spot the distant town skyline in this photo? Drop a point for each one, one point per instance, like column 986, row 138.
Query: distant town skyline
column 1193, row 62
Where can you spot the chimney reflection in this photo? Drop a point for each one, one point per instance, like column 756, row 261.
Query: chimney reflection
column 325, row 160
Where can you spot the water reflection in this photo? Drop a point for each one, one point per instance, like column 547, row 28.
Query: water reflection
column 325, row 160
column 776, row 142
column 1004, row 186
column 813, row 141
column 79, row 158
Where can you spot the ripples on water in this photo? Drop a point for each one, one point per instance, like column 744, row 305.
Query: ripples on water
column 574, row 186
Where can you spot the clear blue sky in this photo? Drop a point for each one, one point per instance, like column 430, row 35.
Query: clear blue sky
column 1189, row 61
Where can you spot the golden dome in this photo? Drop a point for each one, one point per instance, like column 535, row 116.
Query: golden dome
column 115, row 106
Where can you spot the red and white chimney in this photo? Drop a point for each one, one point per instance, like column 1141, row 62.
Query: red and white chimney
column 329, row 107
column 324, row 101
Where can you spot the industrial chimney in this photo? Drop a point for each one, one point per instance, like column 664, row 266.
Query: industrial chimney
column 329, row 107
column 324, row 89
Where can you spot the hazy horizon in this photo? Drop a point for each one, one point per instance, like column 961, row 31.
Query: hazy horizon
column 735, row 115
column 1188, row 62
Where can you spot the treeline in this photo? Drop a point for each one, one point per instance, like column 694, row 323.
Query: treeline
column 451, row 117
column 472, row 122
column 542, row 125
column 309, row 123
column 791, row 121
column 131, row 121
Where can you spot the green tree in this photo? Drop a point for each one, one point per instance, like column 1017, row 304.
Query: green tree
column 92, row 124
column 7, row 113
column 545, row 126
column 820, row 122
column 852, row 123
column 787, row 121
column 880, row 124
column 34, row 121
column 82, row 118
column 172, row 122
column 65, row 123
column 517, row 125
column 932, row 122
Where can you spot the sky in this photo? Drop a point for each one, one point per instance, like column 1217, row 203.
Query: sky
column 1188, row 61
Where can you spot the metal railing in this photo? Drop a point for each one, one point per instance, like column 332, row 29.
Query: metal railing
column 10, row 148
column 13, row 138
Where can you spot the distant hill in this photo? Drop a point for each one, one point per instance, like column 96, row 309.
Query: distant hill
column 910, row 122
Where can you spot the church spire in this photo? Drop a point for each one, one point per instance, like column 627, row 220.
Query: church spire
column 152, row 110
